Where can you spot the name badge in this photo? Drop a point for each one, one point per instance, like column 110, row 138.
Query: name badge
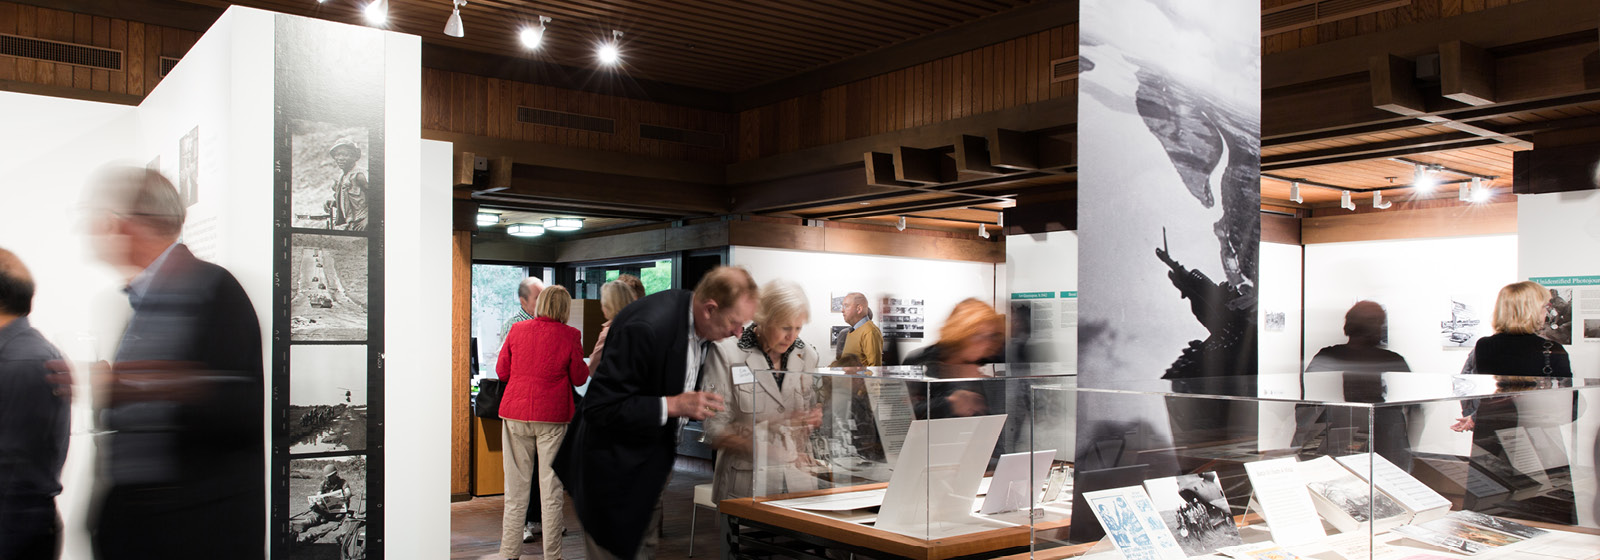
column 743, row 376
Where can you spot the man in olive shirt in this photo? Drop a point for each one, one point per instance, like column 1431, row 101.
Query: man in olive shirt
column 864, row 341
column 33, row 425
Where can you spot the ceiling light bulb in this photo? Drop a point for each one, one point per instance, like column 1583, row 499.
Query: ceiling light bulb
column 1294, row 193
column 452, row 26
column 532, row 37
column 1481, row 191
column 488, row 218
column 377, row 12
column 609, row 52
column 1345, row 202
column 1423, row 178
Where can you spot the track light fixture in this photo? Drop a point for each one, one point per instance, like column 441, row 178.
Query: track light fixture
column 1378, row 202
column 983, row 231
column 532, row 37
column 1294, row 193
column 452, row 26
column 1464, row 193
column 376, row 12
column 1481, row 191
column 901, row 225
column 1425, row 176
column 1345, row 202
column 609, row 53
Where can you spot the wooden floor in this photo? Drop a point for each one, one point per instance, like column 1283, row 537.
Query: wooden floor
column 475, row 524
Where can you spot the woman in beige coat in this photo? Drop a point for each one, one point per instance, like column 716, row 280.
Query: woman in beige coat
column 770, row 409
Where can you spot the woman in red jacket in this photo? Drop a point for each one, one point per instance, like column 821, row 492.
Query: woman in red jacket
column 541, row 361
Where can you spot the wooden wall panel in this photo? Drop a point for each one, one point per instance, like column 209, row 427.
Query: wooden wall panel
column 142, row 46
column 1481, row 219
column 468, row 104
column 460, row 355
column 1420, row 11
column 991, row 78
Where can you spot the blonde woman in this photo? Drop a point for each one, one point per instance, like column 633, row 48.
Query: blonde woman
column 1514, row 349
column 614, row 296
column 541, row 362
column 767, row 401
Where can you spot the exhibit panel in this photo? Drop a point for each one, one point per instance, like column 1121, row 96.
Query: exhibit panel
column 1353, row 481
column 893, row 460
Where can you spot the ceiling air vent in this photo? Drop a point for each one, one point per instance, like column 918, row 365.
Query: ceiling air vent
column 547, row 117
column 167, row 64
column 695, row 138
column 64, row 53
column 1306, row 13
column 1063, row 69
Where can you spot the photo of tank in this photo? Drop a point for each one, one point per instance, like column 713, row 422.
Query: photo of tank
column 328, row 288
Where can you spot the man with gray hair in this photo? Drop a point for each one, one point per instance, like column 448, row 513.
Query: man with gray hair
column 184, row 473
column 33, row 425
column 863, row 340
column 527, row 295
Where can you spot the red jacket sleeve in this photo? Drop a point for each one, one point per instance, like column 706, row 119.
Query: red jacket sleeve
column 577, row 371
column 502, row 364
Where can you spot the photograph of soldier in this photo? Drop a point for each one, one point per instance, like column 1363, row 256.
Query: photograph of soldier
column 189, row 167
column 327, row 508
column 329, row 176
column 327, row 398
column 1558, row 316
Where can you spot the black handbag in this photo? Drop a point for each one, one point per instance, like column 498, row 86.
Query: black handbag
column 486, row 404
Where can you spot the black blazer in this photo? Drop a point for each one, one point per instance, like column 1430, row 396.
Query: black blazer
column 617, row 455
column 194, row 319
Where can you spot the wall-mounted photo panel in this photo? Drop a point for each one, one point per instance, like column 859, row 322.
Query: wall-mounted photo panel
column 329, row 177
column 328, row 507
column 328, row 288
column 327, row 399
column 189, row 167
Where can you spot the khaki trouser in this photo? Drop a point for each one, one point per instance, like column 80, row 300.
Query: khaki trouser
column 527, row 449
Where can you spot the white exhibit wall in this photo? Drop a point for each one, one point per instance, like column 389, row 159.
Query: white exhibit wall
column 940, row 283
column 1415, row 280
column 1044, row 263
column 1279, row 339
column 1559, row 235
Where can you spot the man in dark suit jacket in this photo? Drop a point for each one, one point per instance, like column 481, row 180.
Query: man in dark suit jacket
column 33, row 424
column 183, row 461
column 620, row 448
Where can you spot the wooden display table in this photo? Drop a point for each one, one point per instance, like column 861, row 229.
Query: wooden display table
column 755, row 528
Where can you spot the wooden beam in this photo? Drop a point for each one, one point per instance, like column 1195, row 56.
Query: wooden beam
column 460, row 358
column 1563, row 169
column 1280, row 229
column 1477, row 219
column 1394, row 85
column 1466, row 73
column 972, row 156
column 465, row 166
column 650, row 242
column 571, row 186
column 583, row 159
column 500, row 170
column 166, row 13
column 861, row 242
column 880, row 170
column 531, row 71
column 915, row 165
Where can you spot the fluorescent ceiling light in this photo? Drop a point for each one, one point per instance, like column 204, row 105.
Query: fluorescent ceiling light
column 525, row 230
column 488, row 218
column 563, row 224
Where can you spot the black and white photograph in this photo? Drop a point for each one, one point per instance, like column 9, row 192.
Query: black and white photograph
column 1558, row 316
column 1591, row 329
column 1169, row 113
column 328, row 288
column 327, row 398
column 189, row 167
column 1353, row 496
column 836, row 304
column 1495, row 523
column 329, row 178
column 836, row 336
column 1275, row 322
column 1463, row 324
column 1196, row 511
column 328, row 507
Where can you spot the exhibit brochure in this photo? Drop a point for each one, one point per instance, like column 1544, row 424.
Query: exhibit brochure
column 1194, row 507
column 1345, row 501
column 1281, row 499
column 1422, row 502
column 1260, row 551
column 1458, row 536
column 1519, row 448
column 1018, row 481
column 936, row 477
column 1133, row 524
column 1494, row 523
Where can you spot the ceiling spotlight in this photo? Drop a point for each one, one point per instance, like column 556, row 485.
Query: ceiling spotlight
column 525, row 230
column 1425, row 177
column 1464, row 192
column 488, row 219
column 983, row 231
column 377, row 12
column 1294, row 193
column 1377, row 201
column 532, row 37
column 1481, row 191
column 901, row 225
column 563, row 224
column 1345, row 202
column 452, row 26
column 609, row 52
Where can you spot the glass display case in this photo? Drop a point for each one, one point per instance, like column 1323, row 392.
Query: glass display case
column 1330, row 465
column 1021, row 459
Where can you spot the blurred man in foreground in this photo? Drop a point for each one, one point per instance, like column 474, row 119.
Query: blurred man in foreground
column 182, row 406
column 33, row 425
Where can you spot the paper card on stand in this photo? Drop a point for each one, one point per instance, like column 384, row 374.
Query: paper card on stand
column 946, row 453
column 1422, row 502
column 1551, row 446
column 1282, row 500
column 1133, row 524
column 1018, row 479
column 1519, row 449
column 1345, row 501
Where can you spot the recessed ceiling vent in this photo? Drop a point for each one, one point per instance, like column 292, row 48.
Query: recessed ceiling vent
column 560, row 119
column 167, row 64
column 1306, row 13
column 64, row 53
column 1063, row 69
column 696, row 138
